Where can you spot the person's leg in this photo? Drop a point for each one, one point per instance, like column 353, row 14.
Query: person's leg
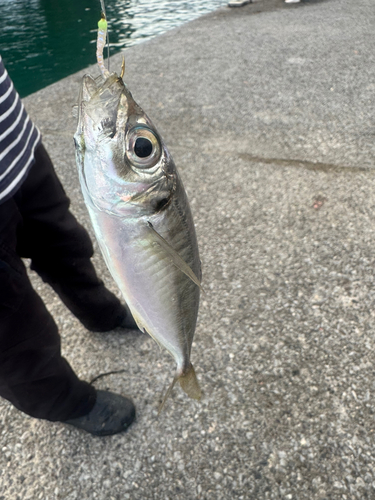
column 33, row 375
column 61, row 249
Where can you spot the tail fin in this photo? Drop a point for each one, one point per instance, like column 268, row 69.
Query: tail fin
column 167, row 394
column 189, row 384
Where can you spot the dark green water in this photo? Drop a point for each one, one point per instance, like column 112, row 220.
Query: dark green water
column 42, row 41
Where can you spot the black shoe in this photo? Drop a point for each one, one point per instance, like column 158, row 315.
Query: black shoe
column 128, row 321
column 123, row 319
column 111, row 414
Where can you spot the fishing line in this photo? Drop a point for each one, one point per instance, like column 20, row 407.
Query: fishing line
column 102, row 6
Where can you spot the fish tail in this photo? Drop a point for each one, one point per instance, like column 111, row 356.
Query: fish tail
column 167, row 394
column 189, row 383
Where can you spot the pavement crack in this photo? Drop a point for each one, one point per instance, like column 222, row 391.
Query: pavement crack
column 308, row 165
column 101, row 375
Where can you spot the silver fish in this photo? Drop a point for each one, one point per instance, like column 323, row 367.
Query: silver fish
column 141, row 217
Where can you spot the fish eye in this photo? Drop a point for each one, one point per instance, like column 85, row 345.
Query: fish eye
column 143, row 147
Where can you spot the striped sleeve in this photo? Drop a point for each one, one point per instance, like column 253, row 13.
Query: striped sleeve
column 18, row 138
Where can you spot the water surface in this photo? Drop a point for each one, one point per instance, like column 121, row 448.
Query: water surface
column 42, row 41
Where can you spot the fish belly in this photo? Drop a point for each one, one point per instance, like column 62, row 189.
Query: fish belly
column 163, row 300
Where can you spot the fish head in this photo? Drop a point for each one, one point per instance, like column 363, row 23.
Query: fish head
column 124, row 165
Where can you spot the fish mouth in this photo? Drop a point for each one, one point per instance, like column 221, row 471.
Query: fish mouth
column 99, row 100
column 101, row 88
column 105, row 105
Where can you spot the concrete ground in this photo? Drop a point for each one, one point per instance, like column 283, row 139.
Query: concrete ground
column 268, row 111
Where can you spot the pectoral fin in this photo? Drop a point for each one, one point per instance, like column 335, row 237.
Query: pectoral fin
column 176, row 259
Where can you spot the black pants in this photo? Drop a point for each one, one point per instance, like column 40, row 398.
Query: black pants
column 36, row 223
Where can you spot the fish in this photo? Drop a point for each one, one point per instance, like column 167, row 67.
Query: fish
column 141, row 217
